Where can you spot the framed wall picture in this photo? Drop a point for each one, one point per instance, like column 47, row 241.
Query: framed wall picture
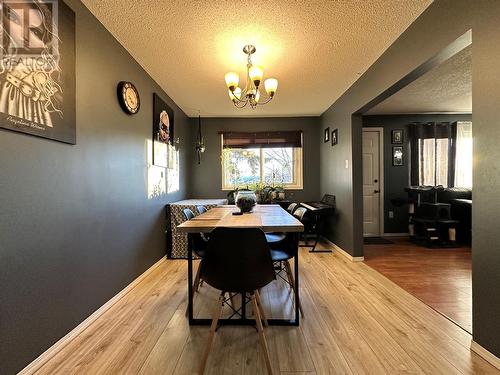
column 163, row 132
column 397, row 136
column 397, row 156
column 37, row 69
column 335, row 137
column 326, row 135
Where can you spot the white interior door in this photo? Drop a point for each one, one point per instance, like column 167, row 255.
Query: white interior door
column 371, row 183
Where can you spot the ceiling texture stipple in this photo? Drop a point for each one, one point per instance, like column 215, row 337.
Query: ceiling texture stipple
column 316, row 49
column 445, row 89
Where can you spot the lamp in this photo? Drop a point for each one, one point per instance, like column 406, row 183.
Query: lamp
column 250, row 93
column 200, row 146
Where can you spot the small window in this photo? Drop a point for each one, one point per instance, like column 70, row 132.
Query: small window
column 260, row 164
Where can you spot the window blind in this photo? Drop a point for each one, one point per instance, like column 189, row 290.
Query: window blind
column 262, row 139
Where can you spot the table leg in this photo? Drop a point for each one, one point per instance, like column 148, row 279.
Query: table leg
column 243, row 306
column 190, row 280
column 296, row 270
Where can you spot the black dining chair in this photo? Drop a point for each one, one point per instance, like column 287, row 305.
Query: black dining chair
column 301, row 214
column 201, row 209
column 199, row 245
column 310, row 225
column 235, row 266
column 291, row 208
column 188, row 213
column 275, row 238
column 281, row 254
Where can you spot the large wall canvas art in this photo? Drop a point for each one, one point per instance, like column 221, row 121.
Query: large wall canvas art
column 37, row 69
column 163, row 132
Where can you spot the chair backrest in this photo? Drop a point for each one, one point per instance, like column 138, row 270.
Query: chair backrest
column 198, row 243
column 237, row 260
column 201, row 209
column 291, row 208
column 300, row 212
column 188, row 214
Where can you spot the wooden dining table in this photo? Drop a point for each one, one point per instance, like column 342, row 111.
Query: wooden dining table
column 269, row 218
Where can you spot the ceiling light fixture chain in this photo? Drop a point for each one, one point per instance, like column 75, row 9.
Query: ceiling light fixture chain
column 250, row 94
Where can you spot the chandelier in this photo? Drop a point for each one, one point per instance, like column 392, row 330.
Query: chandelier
column 250, row 93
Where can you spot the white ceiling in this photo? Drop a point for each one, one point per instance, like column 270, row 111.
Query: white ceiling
column 445, row 89
column 316, row 48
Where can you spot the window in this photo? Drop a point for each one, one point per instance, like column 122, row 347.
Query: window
column 434, row 161
column 463, row 164
column 444, row 154
column 261, row 164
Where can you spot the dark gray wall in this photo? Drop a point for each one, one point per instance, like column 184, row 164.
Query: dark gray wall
column 486, row 176
column 425, row 38
column 76, row 225
column 207, row 177
column 397, row 178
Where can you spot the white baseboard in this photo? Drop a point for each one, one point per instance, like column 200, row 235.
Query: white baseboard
column 54, row 349
column 485, row 354
column 342, row 251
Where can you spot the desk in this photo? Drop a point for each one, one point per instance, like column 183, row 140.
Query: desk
column 270, row 218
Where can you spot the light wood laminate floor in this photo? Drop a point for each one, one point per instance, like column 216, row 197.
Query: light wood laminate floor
column 442, row 278
column 357, row 322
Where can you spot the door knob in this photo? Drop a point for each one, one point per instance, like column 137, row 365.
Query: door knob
column 376, row 191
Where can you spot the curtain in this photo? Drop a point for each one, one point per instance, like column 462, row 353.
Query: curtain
column 463, row 164
column 262, row 139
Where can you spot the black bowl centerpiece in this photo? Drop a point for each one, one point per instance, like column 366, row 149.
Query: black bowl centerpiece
column 245, row 200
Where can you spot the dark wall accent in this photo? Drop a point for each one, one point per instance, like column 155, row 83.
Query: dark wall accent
column 207, row 177
column 423, row 40
column 397, row 178
column 76, row 224
column 486, row 177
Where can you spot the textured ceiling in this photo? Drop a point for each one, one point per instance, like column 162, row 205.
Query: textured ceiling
column 446, row 88
column 316, row 48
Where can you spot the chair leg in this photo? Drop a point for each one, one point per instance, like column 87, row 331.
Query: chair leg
column 291, row 279
column 261, row 309
column 231, row 301
column 211, row 335
column 260, row 329
column 197, row 283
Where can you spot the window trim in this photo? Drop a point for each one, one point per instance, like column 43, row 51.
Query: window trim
column 298, row 183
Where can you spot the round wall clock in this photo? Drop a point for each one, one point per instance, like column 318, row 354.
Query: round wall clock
column 128, row 96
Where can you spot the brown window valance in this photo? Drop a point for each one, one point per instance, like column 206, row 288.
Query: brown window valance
column 262, row 139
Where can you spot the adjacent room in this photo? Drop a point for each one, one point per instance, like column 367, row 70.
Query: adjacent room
column 418, row 220
column 249, row 188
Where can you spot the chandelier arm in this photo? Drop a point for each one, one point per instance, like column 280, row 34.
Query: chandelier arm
column 236, row 98
column 241, row 106
column 267, row 100
column 243, row 94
